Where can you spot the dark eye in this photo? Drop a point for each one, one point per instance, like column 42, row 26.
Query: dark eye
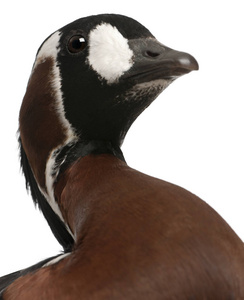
column 77, row 43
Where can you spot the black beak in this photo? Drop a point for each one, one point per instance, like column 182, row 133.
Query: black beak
column 153, row 61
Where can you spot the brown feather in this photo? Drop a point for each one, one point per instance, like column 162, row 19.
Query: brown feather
column 137, row 237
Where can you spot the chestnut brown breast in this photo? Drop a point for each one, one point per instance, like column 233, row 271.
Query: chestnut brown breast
column 137, row 237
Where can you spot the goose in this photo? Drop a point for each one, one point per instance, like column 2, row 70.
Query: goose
column 124, row 234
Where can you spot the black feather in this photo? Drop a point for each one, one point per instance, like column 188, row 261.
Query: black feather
column 57, row 226
column 6, row 280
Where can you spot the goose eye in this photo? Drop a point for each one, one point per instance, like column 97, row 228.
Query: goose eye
column 77, row 44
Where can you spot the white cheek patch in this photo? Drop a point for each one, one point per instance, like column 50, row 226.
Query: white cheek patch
column 109, row 52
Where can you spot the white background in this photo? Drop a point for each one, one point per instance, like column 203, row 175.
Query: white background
column 192, row 135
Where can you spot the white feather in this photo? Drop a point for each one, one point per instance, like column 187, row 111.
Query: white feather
column 109, row 52
column 56, row 260
column 49, row 49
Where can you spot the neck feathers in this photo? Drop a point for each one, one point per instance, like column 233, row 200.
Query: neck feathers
column 44, row 131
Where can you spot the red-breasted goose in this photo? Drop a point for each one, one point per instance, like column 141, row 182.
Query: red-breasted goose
column 125, row 235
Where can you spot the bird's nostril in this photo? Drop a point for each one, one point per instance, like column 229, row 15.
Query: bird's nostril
column 152, row 54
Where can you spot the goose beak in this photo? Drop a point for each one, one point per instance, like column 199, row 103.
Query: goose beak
column 153, row 61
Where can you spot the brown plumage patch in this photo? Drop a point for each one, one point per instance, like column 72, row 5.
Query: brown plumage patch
column 40, row 128
column 137, row 237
